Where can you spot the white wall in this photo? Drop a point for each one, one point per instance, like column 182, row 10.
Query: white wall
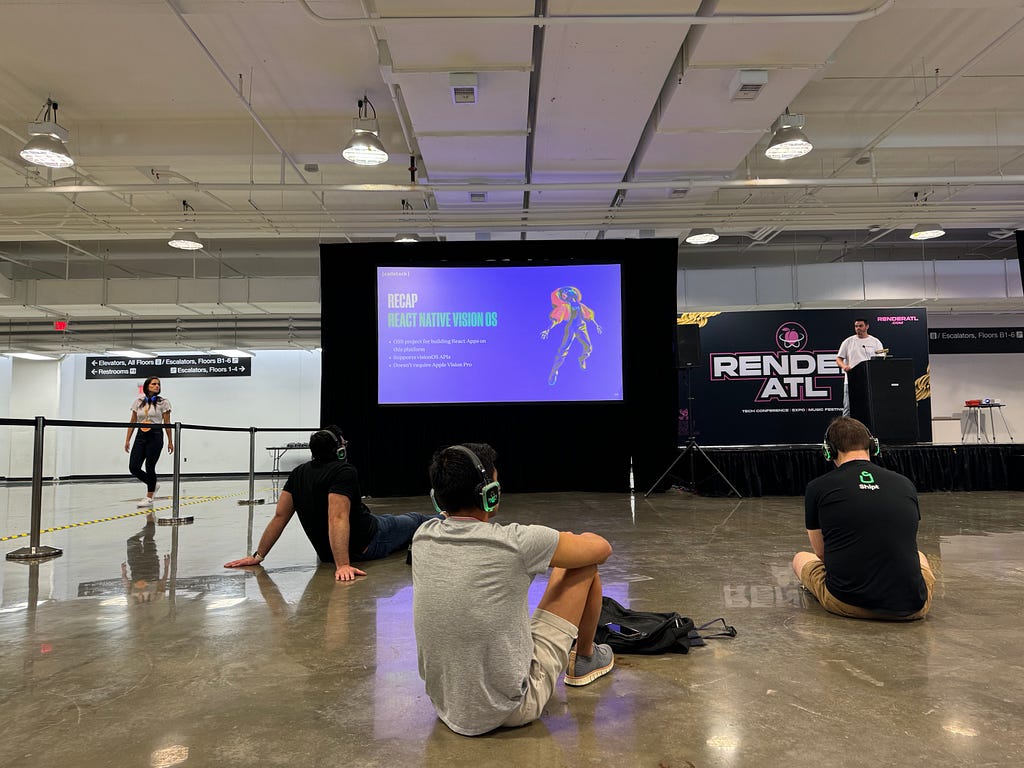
column 994, row 283
column 284, row 391
column 35, row 391
column 956, row 378
column 6, row 365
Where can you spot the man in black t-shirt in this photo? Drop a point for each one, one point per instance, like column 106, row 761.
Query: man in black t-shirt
column 862, row 523
column 325, row 494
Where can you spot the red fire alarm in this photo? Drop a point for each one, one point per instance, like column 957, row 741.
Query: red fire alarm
column 60, row 325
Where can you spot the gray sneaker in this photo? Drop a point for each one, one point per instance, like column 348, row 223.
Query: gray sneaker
column 586, row 669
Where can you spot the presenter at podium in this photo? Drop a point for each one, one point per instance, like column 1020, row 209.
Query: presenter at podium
column 853, row 351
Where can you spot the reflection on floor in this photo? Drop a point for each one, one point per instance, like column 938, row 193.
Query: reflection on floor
column 137, row 648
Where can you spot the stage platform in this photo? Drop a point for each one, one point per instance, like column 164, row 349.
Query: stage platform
column 785, row 470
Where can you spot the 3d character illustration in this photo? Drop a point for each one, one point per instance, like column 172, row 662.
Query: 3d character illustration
column 567, row 306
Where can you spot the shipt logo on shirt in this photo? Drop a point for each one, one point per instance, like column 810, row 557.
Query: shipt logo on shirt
column 867, row 481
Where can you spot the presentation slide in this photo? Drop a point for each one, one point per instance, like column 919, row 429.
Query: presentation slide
column 499, row 334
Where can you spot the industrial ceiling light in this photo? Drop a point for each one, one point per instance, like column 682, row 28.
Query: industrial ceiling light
column 407, row 237
column 927, row 231
column 701, row 236
column 46, row 147
column 788, row 139
column 365, row 147
column 186, row 239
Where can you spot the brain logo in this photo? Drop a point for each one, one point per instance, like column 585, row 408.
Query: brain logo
column 791, row 337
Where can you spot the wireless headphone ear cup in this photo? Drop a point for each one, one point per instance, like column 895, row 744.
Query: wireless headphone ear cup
column 489, row 490
column 433, row 500
column 827, row 451
column 877, row 446
column 340, row 446
column 490, row 495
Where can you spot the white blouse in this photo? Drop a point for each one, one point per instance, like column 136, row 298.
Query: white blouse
column 150, row 413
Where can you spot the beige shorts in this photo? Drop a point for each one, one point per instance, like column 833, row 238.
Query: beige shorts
column 812, row 576
column 552, row 641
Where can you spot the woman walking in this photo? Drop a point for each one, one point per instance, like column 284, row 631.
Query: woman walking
column 148, row 408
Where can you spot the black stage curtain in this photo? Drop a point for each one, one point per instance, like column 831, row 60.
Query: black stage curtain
column 541, row 446
column 785, row 471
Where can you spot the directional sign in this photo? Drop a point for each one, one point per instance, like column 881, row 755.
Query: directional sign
column 976, row 341
column 173, row 367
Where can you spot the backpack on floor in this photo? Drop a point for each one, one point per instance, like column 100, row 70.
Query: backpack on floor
column 652, row 632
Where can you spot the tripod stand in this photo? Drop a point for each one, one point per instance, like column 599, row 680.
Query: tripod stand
column 692, row 448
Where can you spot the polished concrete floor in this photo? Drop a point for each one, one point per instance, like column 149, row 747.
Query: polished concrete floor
column 137, row 648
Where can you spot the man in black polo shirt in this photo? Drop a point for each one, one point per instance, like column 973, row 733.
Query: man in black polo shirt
column 862, row 523
column 342, row 530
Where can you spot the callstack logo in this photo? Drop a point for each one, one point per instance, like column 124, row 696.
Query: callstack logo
column 790, row 372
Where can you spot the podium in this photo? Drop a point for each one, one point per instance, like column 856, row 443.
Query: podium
column 883, row 397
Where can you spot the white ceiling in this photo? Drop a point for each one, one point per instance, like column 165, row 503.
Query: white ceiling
column 591, row 123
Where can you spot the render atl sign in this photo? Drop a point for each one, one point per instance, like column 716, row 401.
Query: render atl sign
column 171, row 367
column 790, row 372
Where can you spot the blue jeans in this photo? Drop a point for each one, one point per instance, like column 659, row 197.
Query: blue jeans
column 394, row 532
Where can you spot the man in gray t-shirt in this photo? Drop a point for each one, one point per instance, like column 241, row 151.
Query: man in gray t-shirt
column 484, row 661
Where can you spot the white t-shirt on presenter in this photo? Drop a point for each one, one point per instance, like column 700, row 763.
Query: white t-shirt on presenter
column 855, row 350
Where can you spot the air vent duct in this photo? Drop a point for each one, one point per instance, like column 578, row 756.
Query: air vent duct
column 463, row 85
column 747, row 84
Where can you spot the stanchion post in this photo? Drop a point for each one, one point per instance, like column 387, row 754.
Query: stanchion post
column 174, row 519
column 252, row 500
column 35, row 551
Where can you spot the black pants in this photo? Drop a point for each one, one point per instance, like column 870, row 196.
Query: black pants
column 146, row 448
column 143, row 559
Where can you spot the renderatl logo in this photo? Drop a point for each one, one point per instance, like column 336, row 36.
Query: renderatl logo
column 790, row 372
column 867, row 481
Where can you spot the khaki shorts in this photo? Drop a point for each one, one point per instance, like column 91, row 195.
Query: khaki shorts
column 552, row 640
column 812, row 576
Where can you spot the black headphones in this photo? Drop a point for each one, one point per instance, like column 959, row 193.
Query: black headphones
column 488, row 490
column 829, row 451
column 341, row 444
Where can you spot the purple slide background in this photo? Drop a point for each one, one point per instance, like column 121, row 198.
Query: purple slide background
column 513, row 362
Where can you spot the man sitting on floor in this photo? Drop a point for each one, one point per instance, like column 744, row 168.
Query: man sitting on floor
column 486, row 664
column 324, row 492
column 862, row 522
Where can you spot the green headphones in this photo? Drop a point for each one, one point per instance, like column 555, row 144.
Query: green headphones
column 341, row 444
column 488, row 490
column 829, row 451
